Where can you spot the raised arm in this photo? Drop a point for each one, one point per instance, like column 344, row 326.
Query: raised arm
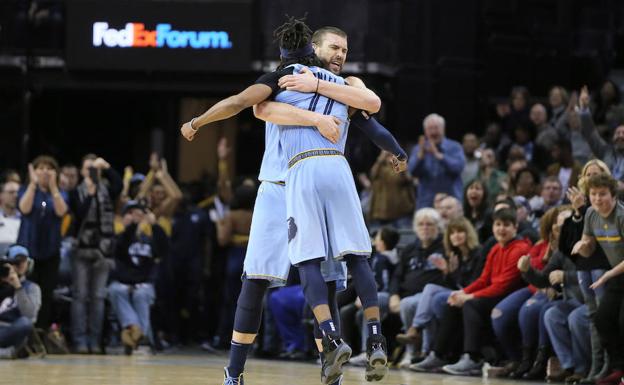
column 356, row 97
column 227, row 108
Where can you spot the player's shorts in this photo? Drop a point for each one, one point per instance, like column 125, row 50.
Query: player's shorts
column 267, row 250
column 324, row 212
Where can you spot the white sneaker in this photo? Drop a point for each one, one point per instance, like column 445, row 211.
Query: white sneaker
column 406, row 361
column 359, row 360
column 7, row 353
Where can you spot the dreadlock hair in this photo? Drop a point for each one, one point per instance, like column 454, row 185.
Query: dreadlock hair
column 292, row 35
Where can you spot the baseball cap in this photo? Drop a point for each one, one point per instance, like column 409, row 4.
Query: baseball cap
column 137, row 177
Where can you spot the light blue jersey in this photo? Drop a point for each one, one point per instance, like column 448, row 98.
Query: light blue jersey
column 273, row 167
column 324, row 213
column 298, row 139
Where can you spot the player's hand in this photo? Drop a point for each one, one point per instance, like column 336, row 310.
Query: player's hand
column 328, row 126
column 188, row 132
column 399, row 165
column 304, row 81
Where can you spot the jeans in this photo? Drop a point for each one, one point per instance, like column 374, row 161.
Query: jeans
column 287, row 304
column 89, row 277
column 505, row 322
column 132, row 304
column 531, row 320
column 408, row 311
column 430, row 307
column 567, row 323
column 16, row 333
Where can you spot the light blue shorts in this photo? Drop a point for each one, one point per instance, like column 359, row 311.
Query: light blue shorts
column 324, row 213
column 267, row 250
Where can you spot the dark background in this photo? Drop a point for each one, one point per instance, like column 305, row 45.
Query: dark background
column 453, row 57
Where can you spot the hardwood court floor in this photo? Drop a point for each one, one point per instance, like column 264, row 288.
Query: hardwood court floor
column 195, row 370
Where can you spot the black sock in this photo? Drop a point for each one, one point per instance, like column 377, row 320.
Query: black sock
column 238, row 356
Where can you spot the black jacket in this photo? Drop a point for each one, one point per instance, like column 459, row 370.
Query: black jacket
column 414, row 270
column 136, row 255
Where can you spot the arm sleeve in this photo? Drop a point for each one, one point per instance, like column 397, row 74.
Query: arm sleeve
column 115, row 183
column 378, row 134
column 483, row 279
column 596, row 143
column 29, row 301
column 414, row 164
column 455, row 160
column 587, row 228
column 270, row 79
column 508, row 278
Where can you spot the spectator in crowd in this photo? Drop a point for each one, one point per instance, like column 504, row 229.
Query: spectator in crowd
column 604, row 224
column 611, row 153
column 10, row 217
column 450, row 208
column 526, row 183
column 463, row 265
column 43, row 205
column 437, row 162
column 495, row 140
column 545, row 135
column 566, row 168
column 588, row 270
column 493, row 178
column 93, row 205
column 137, row 253
column 471, row 306
column 20, row 299
column 68, row 179
column 437, row 200
column 382, row 262
column 517, row 112
column 550, row 196
column 569, row 126
column 522, row 138
column 180, row 273
column 164, row 194
column 417, row 267
column 11, row 176
column 392, row 200
column 470, row 143
column 558, row 100
column 608, row 112
column 476, row 207
column 563, row 318
column 514, row 166
column 233, row 232
column 287, row 305
column 518, row 314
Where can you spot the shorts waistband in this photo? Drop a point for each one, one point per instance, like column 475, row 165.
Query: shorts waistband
column 311, row 153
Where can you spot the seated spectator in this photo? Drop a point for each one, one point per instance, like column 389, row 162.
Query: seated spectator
column 546, row 135
column 526, row 183
column 437, row 200
column 557, row 99
column 472, row 305
column 495, row 140
column 382, row 262
column 392, row 200
column 604, row 224
column 517, row 112
column 450, row 208
column 417, row 268
column 514, row 167
column 10, row 217
column 588, row 270
column 20, row 301
column 131, row 292
column 476, row 207
column 519, row 313
column 464, row 265
column 470, row 144
column 522, row 138
column 608, row 111
column 565, row 167
column 550, row 196
column 437, row 162
column 43, row 205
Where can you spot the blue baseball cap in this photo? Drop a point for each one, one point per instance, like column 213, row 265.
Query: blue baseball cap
column 132, row 204
column 16, row 251
column 137, row 177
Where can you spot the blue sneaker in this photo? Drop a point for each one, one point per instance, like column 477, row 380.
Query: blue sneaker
column 336, row 353
column 228, row 380
column 377, row 358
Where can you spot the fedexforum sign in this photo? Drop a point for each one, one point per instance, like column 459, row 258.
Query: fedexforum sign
column 135, row 35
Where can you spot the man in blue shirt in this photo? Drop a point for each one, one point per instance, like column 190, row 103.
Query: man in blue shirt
column 437, row 162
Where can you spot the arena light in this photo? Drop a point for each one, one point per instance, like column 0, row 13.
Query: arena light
column 134, row 35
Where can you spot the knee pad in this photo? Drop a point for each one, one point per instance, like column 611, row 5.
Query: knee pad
column 249, row 306
column 312, row 282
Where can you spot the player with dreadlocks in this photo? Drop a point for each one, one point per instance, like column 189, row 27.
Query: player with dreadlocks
column 267, row 263
column 330, row 45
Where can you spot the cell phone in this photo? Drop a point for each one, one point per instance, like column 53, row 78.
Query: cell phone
column 93, row 174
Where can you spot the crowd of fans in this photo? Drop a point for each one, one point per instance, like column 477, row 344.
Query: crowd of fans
column 500, row 255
